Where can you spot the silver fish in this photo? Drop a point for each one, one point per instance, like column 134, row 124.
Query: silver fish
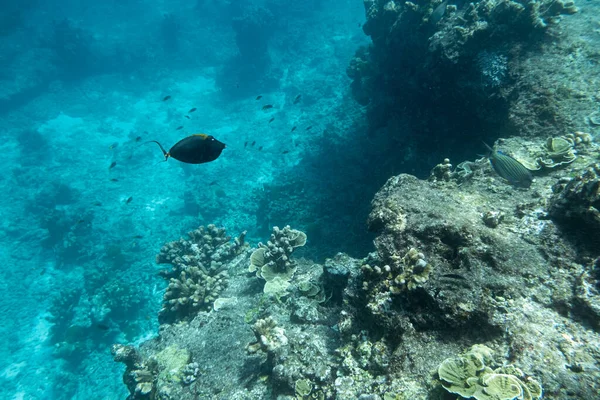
column 438, row 13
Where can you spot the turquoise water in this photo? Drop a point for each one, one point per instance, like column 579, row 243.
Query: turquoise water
column 319, row 103
column 80, row 82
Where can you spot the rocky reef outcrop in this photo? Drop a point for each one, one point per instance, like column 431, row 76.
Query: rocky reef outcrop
column 458, row 71
column 476, row 288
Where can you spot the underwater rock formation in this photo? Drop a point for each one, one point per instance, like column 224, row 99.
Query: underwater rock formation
column 459, row 261
column 250, row 71
column 467, row 273
column 482, row 273
column 576, row 206
column 455, row 71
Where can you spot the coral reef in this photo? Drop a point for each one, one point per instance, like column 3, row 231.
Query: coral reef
column 269, row 337
column 198, row 273
column 140, row 375
column 588, row 294
column 576, row 205
column 406, row 273
column 193, row 291
column 158, row 376
column 458, row 261
column 470, row 376
column 272, row 261
column 455, row 72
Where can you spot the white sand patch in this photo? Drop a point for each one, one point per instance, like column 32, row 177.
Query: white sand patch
column 62, row 128
column 13, row 370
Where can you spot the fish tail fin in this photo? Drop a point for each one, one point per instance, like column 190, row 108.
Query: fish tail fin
column 165, row 153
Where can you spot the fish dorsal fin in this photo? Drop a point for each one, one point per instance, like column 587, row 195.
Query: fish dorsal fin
column 202, row 135
column 491, row 150
column 488, row 146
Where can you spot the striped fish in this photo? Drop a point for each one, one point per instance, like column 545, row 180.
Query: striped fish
column 510, row 169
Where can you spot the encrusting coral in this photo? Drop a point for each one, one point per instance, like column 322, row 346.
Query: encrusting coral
column 140, row 375
column 199, row 271
column 272, row 261
column 156, row 376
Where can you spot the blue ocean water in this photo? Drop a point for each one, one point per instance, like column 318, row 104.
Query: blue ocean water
column 319, row 104
column 88, row 204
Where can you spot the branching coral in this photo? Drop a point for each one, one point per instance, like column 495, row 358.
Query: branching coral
column 195, row 290
column 272, row 261
column 406, row 273
column 198, row 275
column 207, row 247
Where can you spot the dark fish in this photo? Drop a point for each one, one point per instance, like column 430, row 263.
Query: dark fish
column 112, row 165
column 102, row 326
column 297, row 99
column 285, row 152
column 114, row 180
column 166, row 98
column 510, row 169
column 195, row 149
column 309, row 128
column 114, row 145
column 245, row 144
column 192, row 110
column 139, row 138
column 187, row 116
column 138, row 237
column 267, row 106
column 438, row 13
column 97, row 204
column 293, row 129
column 213, row 183
column 253, row 143
column 43, row 271
column 272, row 119
column 179, row 128
column 129, row 200
column 260, row 148
column 258, row 97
